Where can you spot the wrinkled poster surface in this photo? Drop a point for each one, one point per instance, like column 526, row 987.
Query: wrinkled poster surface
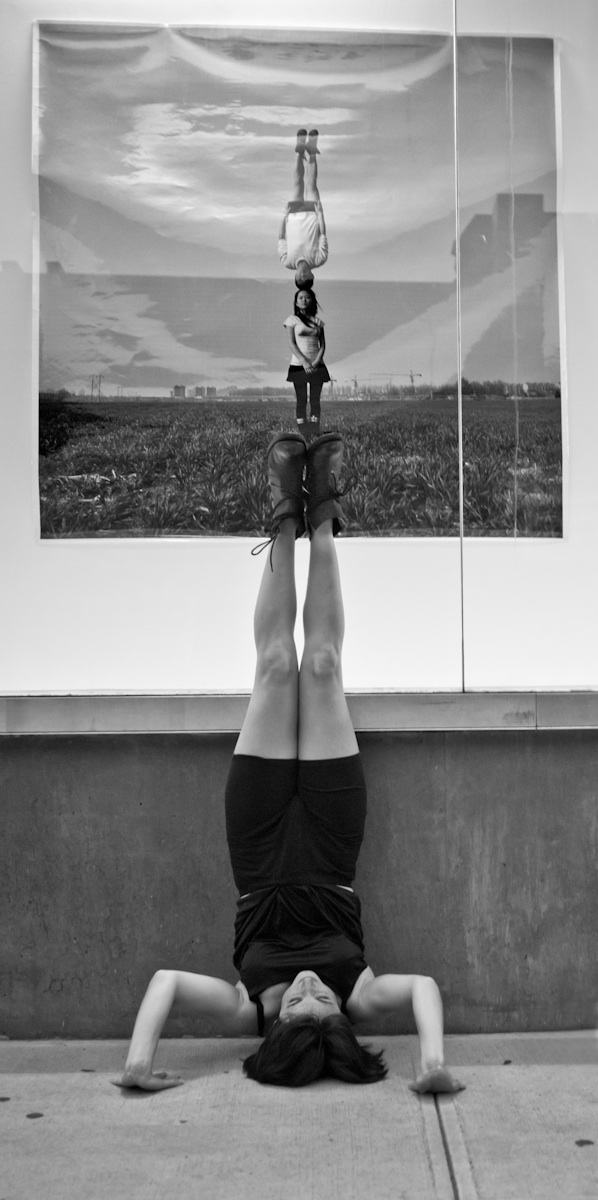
column 189, row 178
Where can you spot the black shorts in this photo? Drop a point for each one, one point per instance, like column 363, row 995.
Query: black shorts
column 298, row 374
column 291, row 821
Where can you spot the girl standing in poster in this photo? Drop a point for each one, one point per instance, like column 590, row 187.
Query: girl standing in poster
column 307, row 370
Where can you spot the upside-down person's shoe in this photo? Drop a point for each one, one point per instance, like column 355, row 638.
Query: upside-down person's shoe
column 312, row 143
column 324, row 464
column 286, row 465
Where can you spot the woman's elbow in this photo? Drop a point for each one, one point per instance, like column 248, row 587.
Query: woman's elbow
column 426, row 985
column 164, row 977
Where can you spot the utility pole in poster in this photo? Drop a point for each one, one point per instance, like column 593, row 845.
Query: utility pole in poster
column 96, row 385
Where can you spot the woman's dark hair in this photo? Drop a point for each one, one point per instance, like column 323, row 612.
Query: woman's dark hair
column 308, row 315
column 298, row 1052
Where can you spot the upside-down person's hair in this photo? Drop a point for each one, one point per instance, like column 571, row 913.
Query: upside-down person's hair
column 304, row 284
column 298, row 1052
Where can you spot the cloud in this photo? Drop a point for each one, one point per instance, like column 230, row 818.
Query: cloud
column 219, row 171
column 89, row 328
column 288, row 117
column 367, row 70
column 198, row 147
column 227, row 186
column 429, row 342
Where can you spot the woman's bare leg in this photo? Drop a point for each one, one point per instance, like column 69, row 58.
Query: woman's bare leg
column 270, row 725
column 298, row 178
column 325, row 728
column 311, row 180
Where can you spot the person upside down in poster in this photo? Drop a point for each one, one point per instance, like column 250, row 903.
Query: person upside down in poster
column 302, row 240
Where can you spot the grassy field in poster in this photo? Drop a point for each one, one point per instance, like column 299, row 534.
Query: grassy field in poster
column 158, row 469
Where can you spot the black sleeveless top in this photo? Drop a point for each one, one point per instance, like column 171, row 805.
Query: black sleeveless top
column 288, row 928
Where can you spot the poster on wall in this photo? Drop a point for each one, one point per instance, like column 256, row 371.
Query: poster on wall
column 202, row 190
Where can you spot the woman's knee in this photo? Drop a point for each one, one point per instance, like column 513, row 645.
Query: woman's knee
column 277, row 662
column 322, row 663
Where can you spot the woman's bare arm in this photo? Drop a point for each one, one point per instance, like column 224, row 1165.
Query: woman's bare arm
column 293, row 340
column 320, row 215
column 385, row 994
column 201, row 994
column 282, row 232
column 320, row 354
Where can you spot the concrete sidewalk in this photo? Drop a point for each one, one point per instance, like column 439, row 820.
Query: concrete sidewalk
column 526, row 1128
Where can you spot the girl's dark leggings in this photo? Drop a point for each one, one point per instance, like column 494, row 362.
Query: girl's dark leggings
column 315, row 391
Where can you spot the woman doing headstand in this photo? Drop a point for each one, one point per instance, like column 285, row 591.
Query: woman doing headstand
column 307, row 370
column 295, row 812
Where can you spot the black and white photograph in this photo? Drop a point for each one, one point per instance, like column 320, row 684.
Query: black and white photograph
column 298, row 654
column 213, row 191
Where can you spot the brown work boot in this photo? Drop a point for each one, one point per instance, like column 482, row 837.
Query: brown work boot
column 286, row 465
column 324, row 465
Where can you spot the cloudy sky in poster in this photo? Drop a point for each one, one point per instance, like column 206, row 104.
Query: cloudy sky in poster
column 166, row 156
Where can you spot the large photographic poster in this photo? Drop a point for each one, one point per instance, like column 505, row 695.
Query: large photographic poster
column 194, row 182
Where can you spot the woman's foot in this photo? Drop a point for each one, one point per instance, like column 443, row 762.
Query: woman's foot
column 301, row 141
column 313, row 428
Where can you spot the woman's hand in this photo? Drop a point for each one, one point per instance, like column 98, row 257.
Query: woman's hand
column 148, row 1081
column 388, row 993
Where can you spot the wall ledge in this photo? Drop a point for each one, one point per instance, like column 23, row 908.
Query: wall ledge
column 224, row 712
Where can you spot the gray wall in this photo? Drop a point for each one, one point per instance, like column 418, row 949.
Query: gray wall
column 479, row 868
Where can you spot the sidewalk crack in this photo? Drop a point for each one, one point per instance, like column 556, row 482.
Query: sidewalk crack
column 455, row 1149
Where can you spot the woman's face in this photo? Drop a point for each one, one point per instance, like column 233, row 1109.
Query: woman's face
column 304, row 301
column 308, row 996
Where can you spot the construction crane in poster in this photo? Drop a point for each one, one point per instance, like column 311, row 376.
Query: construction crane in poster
column 410, row 375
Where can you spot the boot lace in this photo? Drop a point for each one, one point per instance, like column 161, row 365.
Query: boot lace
column 274, row 529
column 335, row 492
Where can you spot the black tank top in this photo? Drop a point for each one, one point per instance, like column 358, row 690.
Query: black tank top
column 285, row 929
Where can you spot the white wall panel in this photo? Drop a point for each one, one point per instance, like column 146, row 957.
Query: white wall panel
column 530, row 606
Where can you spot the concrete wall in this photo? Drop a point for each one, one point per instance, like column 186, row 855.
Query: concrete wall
column 479, row 867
